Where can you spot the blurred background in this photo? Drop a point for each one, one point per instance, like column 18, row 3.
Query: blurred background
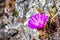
column 15, row 14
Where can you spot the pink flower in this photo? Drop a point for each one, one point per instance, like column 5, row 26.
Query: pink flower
column 37, row 21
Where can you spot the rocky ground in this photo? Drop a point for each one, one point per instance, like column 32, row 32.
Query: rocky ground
column 15, row 26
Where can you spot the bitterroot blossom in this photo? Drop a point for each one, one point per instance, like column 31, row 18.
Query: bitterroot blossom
column 37, row 21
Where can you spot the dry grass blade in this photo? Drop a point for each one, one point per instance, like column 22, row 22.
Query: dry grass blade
column 54, row 17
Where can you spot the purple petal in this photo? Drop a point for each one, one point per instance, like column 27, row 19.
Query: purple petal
column 37, row 21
